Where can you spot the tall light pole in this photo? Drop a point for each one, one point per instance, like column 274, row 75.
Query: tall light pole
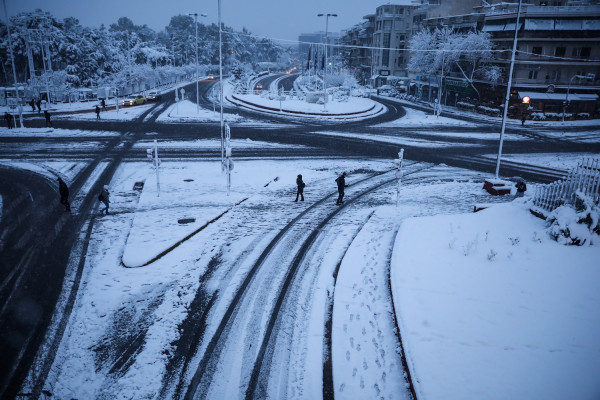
column 197, row 92
column 566, row 102
column 510, row 72
column 326, row 43
column 12, row 59
column 221, row 85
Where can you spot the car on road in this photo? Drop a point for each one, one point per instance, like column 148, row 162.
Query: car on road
column 153, row 96
column 210, row 77
column 134, row 100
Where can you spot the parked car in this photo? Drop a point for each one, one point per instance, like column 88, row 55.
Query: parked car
column 153, row 96
column 134, row 100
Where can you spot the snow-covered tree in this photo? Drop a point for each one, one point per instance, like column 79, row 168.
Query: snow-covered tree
column 466, row 53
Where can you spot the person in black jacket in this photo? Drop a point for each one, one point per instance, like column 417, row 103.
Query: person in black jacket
column 64, row 194
column 105, row 198
column 97, row 112
column 300, row 191
column 9, row 120
column 341, row 184
column 47, row 116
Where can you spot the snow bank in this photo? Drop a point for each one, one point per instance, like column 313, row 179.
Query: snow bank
column 491, row 307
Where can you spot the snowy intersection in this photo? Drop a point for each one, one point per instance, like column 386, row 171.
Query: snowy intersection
column 130, row 325
column 201, row 294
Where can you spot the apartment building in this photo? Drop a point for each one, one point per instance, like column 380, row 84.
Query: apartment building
column 558, row 50
column 356, row 48
column 391, row 36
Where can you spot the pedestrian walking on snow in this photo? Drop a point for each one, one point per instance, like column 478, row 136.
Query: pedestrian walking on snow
column 341, row 184
column 32, row 104
column 104, row 197
column 63, row 190
column 38, row 103
column 300, row 191
column 523, row 121
column 9, row 120
column 47, row 116
column 103, row 104
column 97, row 112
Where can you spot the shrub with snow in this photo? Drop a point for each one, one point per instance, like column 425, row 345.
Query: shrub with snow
column 577, row 225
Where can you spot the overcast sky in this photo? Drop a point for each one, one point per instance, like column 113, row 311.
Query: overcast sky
column 277, row 19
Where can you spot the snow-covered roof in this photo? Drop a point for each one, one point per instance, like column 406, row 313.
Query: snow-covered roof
column 559, row 96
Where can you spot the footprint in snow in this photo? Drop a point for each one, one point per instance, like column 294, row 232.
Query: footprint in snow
column 352, row 342
column 354, row 371
column 365, row 366
column 347, row 356
column 364, row 331
column 351, row 317
column 358, row 347
column 362, row 383
column 342, row 386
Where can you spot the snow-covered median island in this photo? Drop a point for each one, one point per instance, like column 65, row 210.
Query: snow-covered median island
column 491, row 307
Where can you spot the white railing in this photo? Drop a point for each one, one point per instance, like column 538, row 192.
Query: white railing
column 583, row 179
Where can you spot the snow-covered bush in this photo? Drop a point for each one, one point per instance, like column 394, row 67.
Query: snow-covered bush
column 577, row 225
column 537, row 116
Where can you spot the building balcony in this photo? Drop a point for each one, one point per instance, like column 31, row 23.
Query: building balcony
column 540, row 11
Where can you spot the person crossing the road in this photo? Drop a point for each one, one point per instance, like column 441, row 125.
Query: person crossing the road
column 63, row 190
column 47, row 116
column 341, row 184
column 104, row 197
column 97, row 112
column 9, row 120
column 300, row 191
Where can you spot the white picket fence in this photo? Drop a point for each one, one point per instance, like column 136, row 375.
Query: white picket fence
column 585, row 178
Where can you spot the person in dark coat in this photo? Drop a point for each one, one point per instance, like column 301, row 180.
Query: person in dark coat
column 47, row 116
column 105, row 198
column 64, row 194
column 523, row 119
column 32, row 104
column 341, row 184
column 39, row 105
column 9, row 120
column 97, row 112
column 300, row 191
column 103, row 104
column 521, row 188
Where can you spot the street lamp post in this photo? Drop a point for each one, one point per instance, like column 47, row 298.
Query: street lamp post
column 326, row 43
column 197, row 91
column 221, row 84
column 510, row 72
column 566, row 102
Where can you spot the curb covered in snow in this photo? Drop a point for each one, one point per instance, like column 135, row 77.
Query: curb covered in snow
column 374, row 110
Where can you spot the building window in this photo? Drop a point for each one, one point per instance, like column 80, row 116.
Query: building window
column 556, row 75
column 585, row 52
column 386, row 53
column 560, row 51
column 537, row 50
column 533, row 74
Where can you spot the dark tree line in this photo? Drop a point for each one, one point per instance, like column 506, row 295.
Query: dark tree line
column 83, row 56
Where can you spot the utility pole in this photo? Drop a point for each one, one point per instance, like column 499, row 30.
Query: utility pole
column 12, row 59
column 325, row 69
column 221, row 83
column 512, row 65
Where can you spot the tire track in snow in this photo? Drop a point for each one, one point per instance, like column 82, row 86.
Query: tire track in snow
column 200, row 383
